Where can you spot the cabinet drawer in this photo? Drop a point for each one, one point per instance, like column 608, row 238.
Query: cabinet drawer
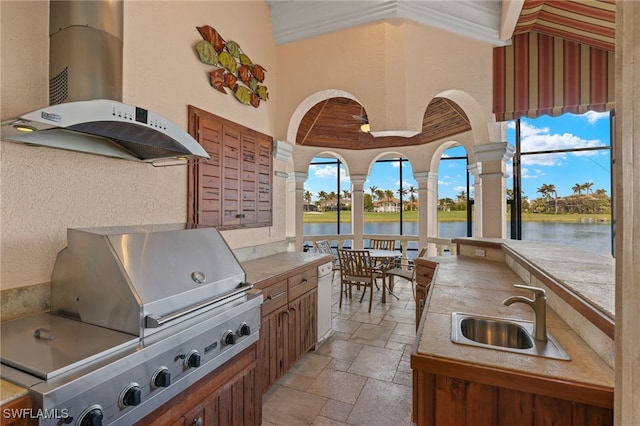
column 303, row 282
column 274, row 297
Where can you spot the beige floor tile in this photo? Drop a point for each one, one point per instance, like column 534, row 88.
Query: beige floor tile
column 339, row 364
column 378, row 363
column 371, row 334
column 296, row 381
column 344, row 325
column 292, row 407
column 338, row 385
column 311, row 364
column 382, row 404
column 324, row 421
column 336, row 410
column 340, row 349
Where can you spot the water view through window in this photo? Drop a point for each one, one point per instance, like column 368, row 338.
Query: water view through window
column 564, row 178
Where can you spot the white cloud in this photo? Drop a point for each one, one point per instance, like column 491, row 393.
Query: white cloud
column 593, row 116
column 540, row 139
column 329, row 171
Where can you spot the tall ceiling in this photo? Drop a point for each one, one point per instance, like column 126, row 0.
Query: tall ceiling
column 335, row 123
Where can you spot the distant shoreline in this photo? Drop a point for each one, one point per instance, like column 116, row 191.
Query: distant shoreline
column 452, row 216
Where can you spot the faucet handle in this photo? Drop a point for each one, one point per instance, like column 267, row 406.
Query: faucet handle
column 537, row 291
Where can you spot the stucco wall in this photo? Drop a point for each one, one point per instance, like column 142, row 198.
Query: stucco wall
column 46, row 191
column 394, row 69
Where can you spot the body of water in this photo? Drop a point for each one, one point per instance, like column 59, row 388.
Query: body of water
column 594, row 237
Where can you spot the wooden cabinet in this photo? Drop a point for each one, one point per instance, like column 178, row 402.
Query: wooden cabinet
column 289, row 322
column 425, row 271
column 441, row 399
column 20, row 405
column 228, row 396
column 234, row 187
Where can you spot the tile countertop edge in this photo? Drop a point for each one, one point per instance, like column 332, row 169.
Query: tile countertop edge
column 10, row 392
column 451, row 292
column 281, row 264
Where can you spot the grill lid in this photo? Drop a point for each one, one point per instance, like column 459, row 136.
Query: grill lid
column 137, row 278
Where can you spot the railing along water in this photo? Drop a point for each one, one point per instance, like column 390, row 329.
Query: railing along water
column 443, row 246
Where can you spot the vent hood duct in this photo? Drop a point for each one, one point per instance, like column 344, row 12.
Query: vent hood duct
column 85, row 93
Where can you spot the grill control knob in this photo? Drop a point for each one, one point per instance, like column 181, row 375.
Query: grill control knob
column 244, row 329
column 229, row 338
column 192, row 360
column 161, row 378
column 130, row 396
column 91, row 416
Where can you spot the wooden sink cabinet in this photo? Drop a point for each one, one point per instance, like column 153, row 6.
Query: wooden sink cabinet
column 458, row 385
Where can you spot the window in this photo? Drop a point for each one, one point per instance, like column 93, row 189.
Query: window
column 561, row 186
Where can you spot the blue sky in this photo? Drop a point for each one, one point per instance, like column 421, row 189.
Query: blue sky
column 563, row 170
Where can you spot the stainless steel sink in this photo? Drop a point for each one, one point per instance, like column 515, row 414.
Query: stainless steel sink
column 502, row 334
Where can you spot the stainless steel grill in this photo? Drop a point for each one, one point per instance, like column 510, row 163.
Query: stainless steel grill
column 138, row 314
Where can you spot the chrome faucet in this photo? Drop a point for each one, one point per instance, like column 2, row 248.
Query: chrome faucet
column 539, row 306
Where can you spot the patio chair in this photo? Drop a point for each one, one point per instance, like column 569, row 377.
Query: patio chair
column 323, row 246
column 405, row 268
column 356, row 269
column 383, row 265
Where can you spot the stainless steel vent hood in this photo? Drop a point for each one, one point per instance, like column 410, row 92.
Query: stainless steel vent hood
column 85, row 93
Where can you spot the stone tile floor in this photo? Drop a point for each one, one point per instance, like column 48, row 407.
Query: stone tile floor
column 361, row 375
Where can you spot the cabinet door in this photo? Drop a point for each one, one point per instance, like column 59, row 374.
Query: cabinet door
column 234, row 187
column 273, row 346
column 265, row 182
column 249, row 180
column 205, row 200
column 231, row 213
column 303, row 323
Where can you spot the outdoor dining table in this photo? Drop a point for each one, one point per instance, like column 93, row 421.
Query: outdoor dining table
column 384, row 256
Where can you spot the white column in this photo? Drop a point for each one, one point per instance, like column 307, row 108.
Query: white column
column 493, row 207
column 627, row 203
column 424, row 207
column 357, row 210
column 295, row 201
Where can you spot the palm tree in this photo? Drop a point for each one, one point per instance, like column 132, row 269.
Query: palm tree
column 373, row 190
column 389, row 195
column 552, row 188
column 346, row 194
column 402, row 193
column 307, row 196
column 577, row 189
column 587, row 186
column 412, row 195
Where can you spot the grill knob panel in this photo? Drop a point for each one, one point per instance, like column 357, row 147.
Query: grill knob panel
column 91, row 416
column 130, row 396
column 229, row 338
column 244, row 329
column 192, row 360
column 161, row 378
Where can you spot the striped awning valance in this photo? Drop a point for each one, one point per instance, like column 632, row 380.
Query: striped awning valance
column 540, row 74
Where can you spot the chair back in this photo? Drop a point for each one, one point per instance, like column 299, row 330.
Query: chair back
column 355, row 265
column 323, row 246
column 382, row 244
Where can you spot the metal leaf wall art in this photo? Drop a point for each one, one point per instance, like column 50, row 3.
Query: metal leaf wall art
column 233, row 68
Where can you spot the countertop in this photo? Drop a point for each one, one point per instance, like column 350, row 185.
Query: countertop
column 268, row 267
column 478, row 286
column 9, row 391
